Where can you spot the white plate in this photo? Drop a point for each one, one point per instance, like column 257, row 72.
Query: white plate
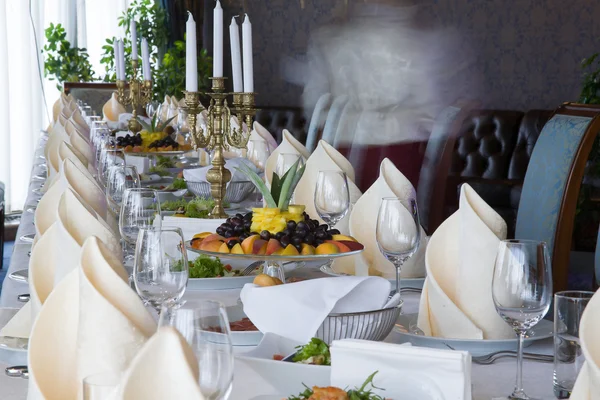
column 273, row 344
column 543, row 330
column 416, row 283
column 13, row 351
column 242, row 338
column 21, row 275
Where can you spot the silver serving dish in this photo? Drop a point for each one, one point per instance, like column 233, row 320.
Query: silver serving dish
column 367, row 325
column 236, row 192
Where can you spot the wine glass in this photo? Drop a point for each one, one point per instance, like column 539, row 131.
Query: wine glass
column 258, row 153
column 285, row 162
column 152, row 108
column 160, row 271
column 332, row 196
column 109, row 157
column 522, row 291
column 139, row 209
column 120, row 178
column 398, row 231
column 205, row 326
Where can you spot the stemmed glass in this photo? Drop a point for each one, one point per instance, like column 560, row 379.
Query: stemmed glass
column 139, row 209
column 258, row 153
column 152, row 108
column 109, row 157
column 205, row 326
column 160, row 271
column 332, row 196
column 522, row 291
column 120, row 178
column 398, row 231
column 285, row 162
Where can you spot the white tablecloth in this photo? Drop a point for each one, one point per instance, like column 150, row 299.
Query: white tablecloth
column 489, row 381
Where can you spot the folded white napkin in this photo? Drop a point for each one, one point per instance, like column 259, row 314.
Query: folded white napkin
column 58, row 135
column 191, row 226
column 456, row 301
column 297, row 310
column 259, row 132
column 58, row 106
column 587, row 386
column 141, row 164
column 79, row 142
column 404, row 372
column 69, row 176
column 325, row 158
column 112, row 109
column 164, row 109
column 199, row 174
column 363, row 224
column 81, row 124
column 76, row 222
column 91, row 323
column 289, row 145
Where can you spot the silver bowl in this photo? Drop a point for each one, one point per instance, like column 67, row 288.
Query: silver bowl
column 236, row 192
column 369, row 325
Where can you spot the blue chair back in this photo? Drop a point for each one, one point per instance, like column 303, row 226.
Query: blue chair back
column 333, row 118
column 552, row 181
column 316, row 121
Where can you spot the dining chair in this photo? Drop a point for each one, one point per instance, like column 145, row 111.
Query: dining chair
column 333, row 118
column 347, row 125
column 316, row 120
column 552, row 183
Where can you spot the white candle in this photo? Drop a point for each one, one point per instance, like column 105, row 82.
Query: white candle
column 191, row 58
column 134, row 48
column 146, row 60
column 117, row 55
column 218, row 41
column 236, row 55
column 122, row 60
column 248, row 66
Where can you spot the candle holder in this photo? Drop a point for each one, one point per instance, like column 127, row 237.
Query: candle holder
column 219, row 135
column 139, row 94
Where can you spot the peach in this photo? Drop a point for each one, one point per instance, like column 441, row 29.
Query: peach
column 237, row 249
column 223, row 248
column 343, row 248
column 341, row 238
column 354, row 246
column 327, row 248
column 231, row 238
column 248, row 243
column 307, row 249
column 202, row 235
column 272, row 246
column 290, row 250
column 212, row 237
column 260, row 247
column 215, row 245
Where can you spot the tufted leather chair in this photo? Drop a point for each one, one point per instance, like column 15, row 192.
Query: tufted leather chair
column 276, row 119
column 491, row 153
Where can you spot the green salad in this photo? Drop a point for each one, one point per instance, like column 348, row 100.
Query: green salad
column 206, row 267
column 196, row 208
column 365, row 392
column 165, row 162
column 158, row 170
column 316, row 352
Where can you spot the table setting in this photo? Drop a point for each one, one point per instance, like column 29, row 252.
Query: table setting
column 299, row 286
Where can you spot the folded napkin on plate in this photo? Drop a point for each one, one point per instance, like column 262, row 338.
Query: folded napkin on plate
column 80, row 142
column 165, row 368
column 297, row 310
column 58, row 135
column 69, row 176
column 199, row 174
column 289, row 145
column 587, row 386
column 363, row 224
column 325, row 158
column 259, row 132
column 112, row 109
column 81, row 124
column 403, row 371
column 456, row 301
column 91, row 323
column 125, row 117
column 58, row 106
column 191, row 226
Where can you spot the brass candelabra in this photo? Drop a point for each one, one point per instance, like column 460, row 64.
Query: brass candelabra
column 219, row 135
column 139, row 94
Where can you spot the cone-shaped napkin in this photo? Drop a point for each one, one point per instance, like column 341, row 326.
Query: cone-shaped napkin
column 325, row 158
column 80, row 124
column 290, row 145
column 92, row 322
column 79, row 142
column 259, row 132
column 457, row 298
column 587, row 386
column 363, row 224
column 112, row 109
column 165, row 368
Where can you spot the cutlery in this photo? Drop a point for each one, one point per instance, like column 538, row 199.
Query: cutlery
column 492, row 357
column 17, row 371
column 23, row 298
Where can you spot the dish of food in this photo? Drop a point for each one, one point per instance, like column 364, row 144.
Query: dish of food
column 315, row 352
column 196, row 208
column 365, row 392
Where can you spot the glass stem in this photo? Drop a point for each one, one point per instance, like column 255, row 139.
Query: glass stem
column 519, row 393
column 398, row 271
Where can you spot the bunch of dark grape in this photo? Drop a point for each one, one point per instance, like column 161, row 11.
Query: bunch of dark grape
column 308, row 231
column 128, row 140
column 166, row 142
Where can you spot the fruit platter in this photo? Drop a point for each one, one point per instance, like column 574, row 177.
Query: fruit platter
column 278, row 232
column 154, row 138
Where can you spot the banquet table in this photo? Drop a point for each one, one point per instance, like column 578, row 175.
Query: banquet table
column 488, row 381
